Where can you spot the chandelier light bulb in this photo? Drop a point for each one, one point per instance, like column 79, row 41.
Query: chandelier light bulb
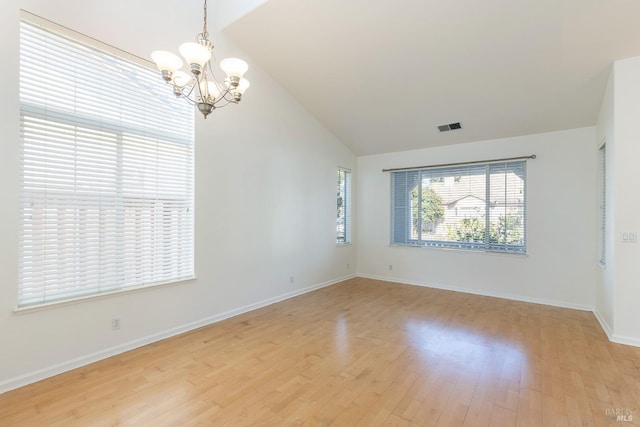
column 195, row 54
column 209, row 90
column 166, row 62
column 234, row 68
column 237, row 92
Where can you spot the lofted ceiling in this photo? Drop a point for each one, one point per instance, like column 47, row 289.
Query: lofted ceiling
column 381, row 74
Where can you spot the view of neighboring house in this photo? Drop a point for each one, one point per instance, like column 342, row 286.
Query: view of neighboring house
column 455, row 207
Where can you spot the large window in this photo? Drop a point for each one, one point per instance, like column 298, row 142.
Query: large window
column 343, row 222
column 107, row 173
column 479, row 207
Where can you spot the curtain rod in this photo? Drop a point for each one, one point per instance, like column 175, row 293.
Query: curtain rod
column 533, row 156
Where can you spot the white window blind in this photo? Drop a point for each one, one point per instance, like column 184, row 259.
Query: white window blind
column 603, row 205
column 480, row 207
column 107, row 173
column 343, row 224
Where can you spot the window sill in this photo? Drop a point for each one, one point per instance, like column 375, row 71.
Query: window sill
column 343, row 244
column 84, row 298
column 465, row 250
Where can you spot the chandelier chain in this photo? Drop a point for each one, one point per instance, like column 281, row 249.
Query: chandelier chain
column 204, row 26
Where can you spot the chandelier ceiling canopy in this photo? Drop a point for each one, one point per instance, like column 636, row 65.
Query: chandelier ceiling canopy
column 199, row 85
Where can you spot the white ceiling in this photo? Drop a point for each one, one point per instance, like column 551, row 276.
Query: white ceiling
column 382, row 74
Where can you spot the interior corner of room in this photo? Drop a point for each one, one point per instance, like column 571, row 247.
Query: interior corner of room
column 265, row 170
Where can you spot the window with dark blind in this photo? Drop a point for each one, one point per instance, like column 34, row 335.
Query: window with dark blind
column 107, row 173
column 478, row 207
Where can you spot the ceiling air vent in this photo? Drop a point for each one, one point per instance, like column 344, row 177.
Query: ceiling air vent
column 450, row 126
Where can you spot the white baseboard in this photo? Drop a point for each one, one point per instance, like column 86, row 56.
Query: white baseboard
column 50, row 371
column 41, row 374
column 485, row 293
column 603, row 324
column 635, row 342
column 609, row 331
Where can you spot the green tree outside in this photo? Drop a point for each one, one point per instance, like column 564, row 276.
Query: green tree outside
column 431, row 209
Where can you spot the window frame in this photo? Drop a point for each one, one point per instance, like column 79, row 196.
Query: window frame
column 404, row 207
column 343, row 197
column 602, row 181
column 33, row 291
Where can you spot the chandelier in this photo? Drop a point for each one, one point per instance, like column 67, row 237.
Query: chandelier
column 200, row 87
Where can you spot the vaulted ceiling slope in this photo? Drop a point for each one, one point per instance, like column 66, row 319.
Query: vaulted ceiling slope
column 382, row 74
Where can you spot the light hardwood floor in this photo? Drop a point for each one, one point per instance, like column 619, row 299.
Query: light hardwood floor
column 359, row 353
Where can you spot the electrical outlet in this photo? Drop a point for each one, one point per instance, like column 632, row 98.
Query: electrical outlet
column 390, row 266
column 115, row 323
column 347, row 266
column 291, row 279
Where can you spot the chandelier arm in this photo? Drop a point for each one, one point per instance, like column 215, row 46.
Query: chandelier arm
column 225, row 96
column 228, row 99
column 188, row 94
column 211, row 71
column 226, row 92
column 189, row 100
column 199, row 89
column 222, row 105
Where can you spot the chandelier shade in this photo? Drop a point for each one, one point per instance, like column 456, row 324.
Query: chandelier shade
column 243, row 85
column 234, row 67
column 181, row 79
column 195, row 53
column 198, row 84
column 166, row 61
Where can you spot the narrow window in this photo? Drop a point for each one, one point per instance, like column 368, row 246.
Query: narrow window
column 479, row 207
column 603, row 205
column 107, row 172
column 343, row 222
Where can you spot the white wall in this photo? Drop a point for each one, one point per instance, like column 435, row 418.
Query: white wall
column 605, row 289
column 626, row 199
column 265, row 211
column 561, row 262
column 617, row 290
column 228, row 11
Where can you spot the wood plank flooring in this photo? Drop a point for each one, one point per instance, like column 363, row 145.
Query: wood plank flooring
column 359, row 353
